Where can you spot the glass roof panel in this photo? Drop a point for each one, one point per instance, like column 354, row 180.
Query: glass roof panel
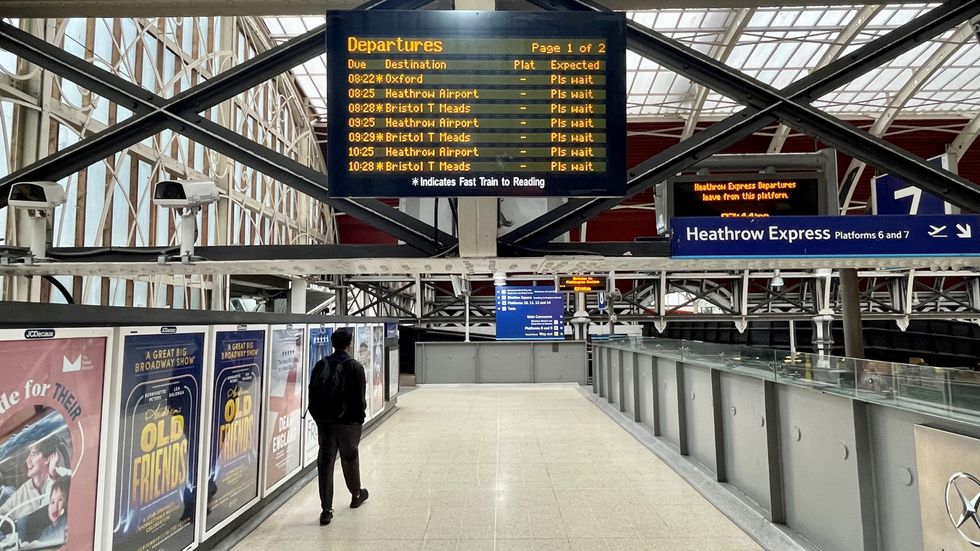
column 778, row 45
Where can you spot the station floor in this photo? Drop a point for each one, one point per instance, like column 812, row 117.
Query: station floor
column 495, row 468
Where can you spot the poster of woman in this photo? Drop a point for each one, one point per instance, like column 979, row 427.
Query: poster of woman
column 51, row 429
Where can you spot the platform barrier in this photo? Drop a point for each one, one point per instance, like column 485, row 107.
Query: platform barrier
column 849, row 454
column 501, row 362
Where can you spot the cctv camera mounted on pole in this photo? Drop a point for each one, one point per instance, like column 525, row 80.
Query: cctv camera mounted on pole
column 189, row 197
column 37, row 198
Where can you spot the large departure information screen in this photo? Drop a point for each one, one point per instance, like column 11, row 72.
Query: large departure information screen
column 455, row 103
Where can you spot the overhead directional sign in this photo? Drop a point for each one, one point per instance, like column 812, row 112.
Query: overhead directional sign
column 826, row 236
column 529, row 313
column 891, row 195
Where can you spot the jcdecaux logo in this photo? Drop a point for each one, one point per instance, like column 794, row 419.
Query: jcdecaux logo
column 39, row 334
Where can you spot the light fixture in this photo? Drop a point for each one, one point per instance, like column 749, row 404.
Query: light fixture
column 37, row 198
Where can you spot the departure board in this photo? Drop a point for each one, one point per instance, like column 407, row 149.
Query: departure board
column 456, row 103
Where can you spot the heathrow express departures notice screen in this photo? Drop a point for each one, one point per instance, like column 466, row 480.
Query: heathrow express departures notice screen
column 453, row 103
column 757, row 196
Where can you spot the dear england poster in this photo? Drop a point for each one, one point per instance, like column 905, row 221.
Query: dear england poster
column 282, row 451
column 51, row 403
column 156, row 486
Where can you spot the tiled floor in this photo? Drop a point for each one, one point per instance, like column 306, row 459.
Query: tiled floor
column 505, row 469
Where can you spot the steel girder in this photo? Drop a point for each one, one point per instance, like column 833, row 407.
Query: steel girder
column 181, row 114
column 714, row 296
column 766, row 105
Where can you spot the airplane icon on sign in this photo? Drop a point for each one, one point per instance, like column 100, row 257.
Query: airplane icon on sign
column 937, row 231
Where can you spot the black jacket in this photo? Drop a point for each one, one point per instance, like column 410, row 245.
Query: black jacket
column 354, row 387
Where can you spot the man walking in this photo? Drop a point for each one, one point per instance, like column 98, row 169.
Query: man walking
column 338, row 405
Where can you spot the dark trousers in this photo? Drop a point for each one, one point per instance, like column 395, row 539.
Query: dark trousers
column 333, row 438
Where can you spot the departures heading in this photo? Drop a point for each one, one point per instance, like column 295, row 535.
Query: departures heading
column 475, row 104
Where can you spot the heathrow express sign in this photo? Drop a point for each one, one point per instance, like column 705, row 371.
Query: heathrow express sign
column 825, row 236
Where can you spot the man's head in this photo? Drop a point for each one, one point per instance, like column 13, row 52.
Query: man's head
column 39, row 456
column 58, row 499
column 341, row 339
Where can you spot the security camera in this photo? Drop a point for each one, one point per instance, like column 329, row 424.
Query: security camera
column 37, row 198
column 178, row 194
column 189, row 197
column 36, row 195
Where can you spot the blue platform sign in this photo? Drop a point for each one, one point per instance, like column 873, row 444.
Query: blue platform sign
column 825, row 236
column 892, row 196
column 530, row 313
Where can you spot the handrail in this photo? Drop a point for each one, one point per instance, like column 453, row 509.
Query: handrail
column 947, row 393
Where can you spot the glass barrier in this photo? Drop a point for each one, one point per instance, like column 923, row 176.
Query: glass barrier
column 944, row 392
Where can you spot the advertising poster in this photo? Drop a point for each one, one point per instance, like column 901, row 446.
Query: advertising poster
column 320, row 348
column 156, row 483
column 282, row 452
column 233, row 471
column 377, row 382
column 50, row 429
column 362, row 353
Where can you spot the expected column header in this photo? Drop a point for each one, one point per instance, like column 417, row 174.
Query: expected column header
column 457, row 103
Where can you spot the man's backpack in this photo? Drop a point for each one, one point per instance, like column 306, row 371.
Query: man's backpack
column 327, row 397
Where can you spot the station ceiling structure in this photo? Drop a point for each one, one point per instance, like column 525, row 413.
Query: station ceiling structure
column 741, row 68
column 775, row 45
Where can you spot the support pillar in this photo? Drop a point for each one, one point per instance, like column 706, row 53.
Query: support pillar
column 297, row 296
column 28, row 143
column 851, row 303
column 341, row 299
column 477, row 215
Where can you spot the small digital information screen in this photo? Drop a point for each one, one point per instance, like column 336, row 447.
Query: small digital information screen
column 746, row 196
column 529, row 313
column 580, row 284
column 456, row 103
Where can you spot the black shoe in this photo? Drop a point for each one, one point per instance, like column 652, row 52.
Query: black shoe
column 361, row 497
column 326, row 517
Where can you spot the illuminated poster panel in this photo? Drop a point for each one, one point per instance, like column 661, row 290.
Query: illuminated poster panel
column 234, row 435
column 51, row 433
column 284, row 404
column 362, row 353
column 320, row 347
column 456, row 103
column 159, row 433
column 377, row 381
